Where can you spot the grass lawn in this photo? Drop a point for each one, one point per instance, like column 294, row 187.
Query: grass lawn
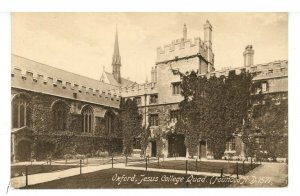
column 17, row 170
column 203, row 166
column 93, row 161
column 112, row 178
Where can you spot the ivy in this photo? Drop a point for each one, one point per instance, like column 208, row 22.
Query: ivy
column 268, row 120
column 131, row 123
column 145, row 139
column 213, row 109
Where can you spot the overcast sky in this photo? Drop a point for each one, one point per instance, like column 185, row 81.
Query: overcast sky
column 83, row 42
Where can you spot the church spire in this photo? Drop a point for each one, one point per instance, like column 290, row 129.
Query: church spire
column 116, row 60
column 184, row 32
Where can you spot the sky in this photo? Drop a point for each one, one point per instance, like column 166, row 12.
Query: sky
column 83, row 43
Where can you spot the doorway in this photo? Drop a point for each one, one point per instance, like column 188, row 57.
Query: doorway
column 202, row 149
column 153, row 149
column 176, row 147
column 24, row 150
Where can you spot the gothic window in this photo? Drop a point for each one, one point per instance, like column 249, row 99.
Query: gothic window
column 60, row 112
column 137, row 143
column 153, row 99
column 153, row 120
column 264, row 87
column 88, row 118
column 176, row 89
column 230, row 144
column 174, row 115
column 20, row 111
column 138, row 100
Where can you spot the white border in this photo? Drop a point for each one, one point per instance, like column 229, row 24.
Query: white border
column 5, row 100
column 149, row 5
column 154, row 5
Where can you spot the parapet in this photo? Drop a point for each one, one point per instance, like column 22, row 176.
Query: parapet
column 269, row 70
column 139, row 89
column 181, row 48
column 79, row 88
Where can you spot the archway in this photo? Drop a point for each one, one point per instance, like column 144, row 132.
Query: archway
column 202, row 149
column 176, row 145
column 153, row 148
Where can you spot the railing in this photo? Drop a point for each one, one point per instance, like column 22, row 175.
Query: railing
column 189, row 165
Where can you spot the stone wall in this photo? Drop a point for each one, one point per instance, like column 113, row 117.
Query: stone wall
column 41, row 124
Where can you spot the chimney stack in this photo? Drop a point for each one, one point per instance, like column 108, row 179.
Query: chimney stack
column 248, row 56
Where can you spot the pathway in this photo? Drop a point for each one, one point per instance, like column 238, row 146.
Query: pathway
column 265, row 175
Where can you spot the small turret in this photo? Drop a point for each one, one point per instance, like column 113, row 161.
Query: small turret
column 248, row 56
column 208, row 41
column 207, row 33
column 154, row 74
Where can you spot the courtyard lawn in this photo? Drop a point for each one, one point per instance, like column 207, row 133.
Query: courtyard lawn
column 202, row 166
column 105, row 179
column 92, row 161
column 19, row 170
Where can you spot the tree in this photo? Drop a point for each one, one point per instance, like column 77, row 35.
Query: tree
column 270, row 120
column 213, row 109
column 145, row 136
column 131, row 123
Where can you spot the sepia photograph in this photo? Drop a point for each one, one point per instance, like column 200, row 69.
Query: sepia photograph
column 149, row 100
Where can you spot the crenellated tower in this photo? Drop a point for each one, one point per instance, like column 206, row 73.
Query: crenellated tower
column 188, row 54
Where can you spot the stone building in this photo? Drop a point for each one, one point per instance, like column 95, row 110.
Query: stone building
column 48, row 102
column 51, row 103
column 159, row 99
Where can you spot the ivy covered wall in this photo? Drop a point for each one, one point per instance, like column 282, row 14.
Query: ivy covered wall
column 72, row 140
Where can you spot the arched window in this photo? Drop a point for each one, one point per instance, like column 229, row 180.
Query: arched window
column 109, row 122
column 60, row 112
column 20, row 111
column 88, row 118
column 230, row 144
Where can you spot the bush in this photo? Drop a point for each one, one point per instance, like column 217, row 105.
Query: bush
column 100, row 153
column 80, row 156
column 68, row 156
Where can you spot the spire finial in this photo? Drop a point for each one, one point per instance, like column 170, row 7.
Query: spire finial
column 147, row 79
column 116, row 48
column 184, row 32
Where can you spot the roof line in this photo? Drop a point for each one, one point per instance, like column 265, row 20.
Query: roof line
column 60, row 69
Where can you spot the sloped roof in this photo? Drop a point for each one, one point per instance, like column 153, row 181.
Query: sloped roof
column 113, row 81
column 53, row 81
column 59, row 74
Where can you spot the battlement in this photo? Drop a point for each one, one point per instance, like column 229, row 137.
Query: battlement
column 52, row 82
column 181, row 48
column 139, row 89
column 263, row 71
